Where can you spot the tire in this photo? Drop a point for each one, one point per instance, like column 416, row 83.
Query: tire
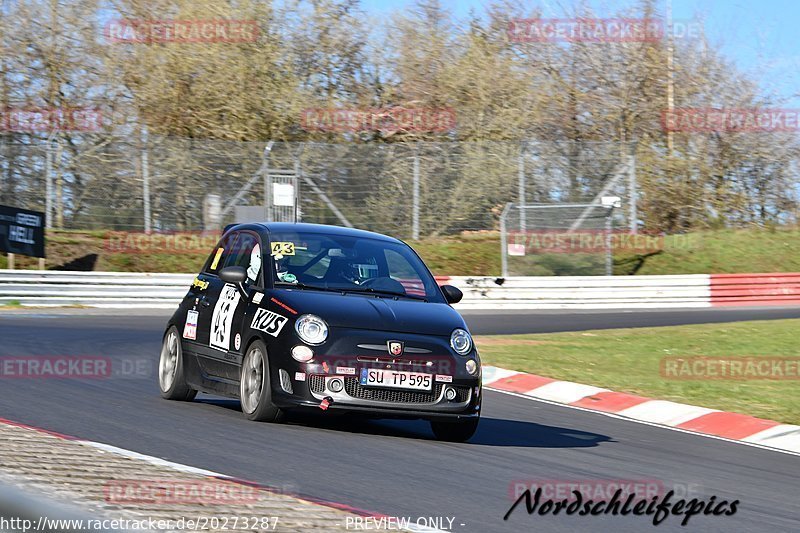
column 255, row 392
column 171, row 379
column 460, row 431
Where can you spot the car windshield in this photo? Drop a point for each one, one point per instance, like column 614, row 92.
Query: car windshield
column 350, row 264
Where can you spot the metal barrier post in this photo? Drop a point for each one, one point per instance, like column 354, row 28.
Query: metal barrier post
column 504, row 241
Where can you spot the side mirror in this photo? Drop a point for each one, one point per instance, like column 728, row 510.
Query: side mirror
column 452, row 294
column 233, row 274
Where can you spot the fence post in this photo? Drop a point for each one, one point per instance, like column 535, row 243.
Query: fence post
column 145, row 155
column 633, row 193
column 296, row 183
column 415, row 205
column 48, row 187
column 521, row 186
column 504, row 241
column 609, row 254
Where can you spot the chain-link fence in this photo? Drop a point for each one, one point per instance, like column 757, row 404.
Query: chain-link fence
column 408, row 190
column 559, row 239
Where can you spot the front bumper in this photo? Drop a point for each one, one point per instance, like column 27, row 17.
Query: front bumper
column 454, row 391
column 382, row 402
column 378, row 412
column 354, row 394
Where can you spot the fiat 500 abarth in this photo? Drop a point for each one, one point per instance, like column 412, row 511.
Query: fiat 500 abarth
column 290, row 317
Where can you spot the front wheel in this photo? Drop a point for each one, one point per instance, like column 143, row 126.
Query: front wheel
column 171, row 379
column 255, row 392
column 460, row 431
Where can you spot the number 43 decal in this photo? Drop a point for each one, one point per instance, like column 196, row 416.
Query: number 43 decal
column 283, row 248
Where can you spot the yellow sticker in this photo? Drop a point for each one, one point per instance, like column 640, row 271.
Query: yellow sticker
column 283, row 248
column 199, row 283
column 215, row 262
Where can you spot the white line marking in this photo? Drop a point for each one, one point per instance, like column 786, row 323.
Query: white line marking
column 150, row 459
column 786, row 435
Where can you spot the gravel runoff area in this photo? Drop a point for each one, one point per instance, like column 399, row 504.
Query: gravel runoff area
column 108, row 483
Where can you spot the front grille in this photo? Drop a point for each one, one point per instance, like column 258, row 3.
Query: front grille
column 355, row 390
column 462, row 394
column 286, row 383
column 317, row 383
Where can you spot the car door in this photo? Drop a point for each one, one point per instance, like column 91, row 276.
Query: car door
column 223, row 316
column 203, row 292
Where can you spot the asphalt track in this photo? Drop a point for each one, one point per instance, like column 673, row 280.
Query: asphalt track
column 395, row 467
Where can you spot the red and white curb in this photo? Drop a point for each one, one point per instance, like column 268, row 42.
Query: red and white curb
column 731, row 426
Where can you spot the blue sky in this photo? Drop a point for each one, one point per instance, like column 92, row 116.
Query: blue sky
column 760, row 37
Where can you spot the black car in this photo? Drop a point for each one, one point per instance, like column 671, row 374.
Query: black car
column 331, row 319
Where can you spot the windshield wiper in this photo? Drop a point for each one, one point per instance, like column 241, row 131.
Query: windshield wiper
column 299, row 285
column 388, row 293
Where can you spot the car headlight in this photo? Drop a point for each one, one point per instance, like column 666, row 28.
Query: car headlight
column 461, row 341
column 311, row 329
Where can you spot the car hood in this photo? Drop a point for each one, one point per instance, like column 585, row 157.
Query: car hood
column 368, row 312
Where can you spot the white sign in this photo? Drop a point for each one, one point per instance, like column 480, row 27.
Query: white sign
column 516, row 249
column 190, row 328
column 283, row 194
column 222, row 319
column 268, row 322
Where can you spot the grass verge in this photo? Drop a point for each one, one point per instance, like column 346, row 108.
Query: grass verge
column 629, row 360
column 476, row 254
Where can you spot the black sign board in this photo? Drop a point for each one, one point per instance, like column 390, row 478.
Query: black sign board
column 21, row 231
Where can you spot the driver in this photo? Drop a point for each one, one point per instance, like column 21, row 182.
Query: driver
column 344, row 270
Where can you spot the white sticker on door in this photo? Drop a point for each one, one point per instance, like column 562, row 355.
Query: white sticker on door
column 268, row 322
column 222, row 319
column 190, row 328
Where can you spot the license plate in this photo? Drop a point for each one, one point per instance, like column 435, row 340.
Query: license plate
column 395, row 379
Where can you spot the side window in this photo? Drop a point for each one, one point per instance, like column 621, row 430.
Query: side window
column 246, row 254
column 220, row 254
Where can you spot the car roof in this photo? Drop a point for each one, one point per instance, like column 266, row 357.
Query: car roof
column 323, row 229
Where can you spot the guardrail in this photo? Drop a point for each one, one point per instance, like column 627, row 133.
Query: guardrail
column 582, row 292
column 94, row 289
column 755, row 289
column 152, row 290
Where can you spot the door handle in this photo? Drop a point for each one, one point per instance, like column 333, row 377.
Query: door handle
column 204, row 302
